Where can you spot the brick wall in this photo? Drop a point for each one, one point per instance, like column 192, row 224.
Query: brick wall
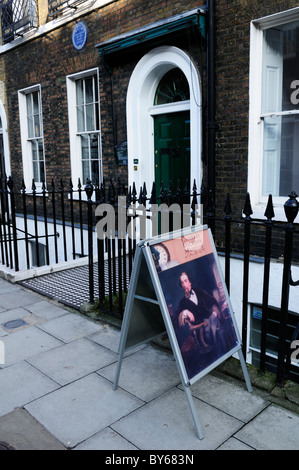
column 47, row 61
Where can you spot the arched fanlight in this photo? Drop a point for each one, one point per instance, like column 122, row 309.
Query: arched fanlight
column 172, row 88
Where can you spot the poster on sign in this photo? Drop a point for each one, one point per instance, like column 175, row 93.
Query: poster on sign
column 197, row 301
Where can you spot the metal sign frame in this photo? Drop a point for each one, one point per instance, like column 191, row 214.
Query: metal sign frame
column 147, row 314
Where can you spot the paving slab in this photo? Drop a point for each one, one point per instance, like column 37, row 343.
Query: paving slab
column 166, row 424
column 6, row 287
column 17, row 298
column 23, row 432
column 70, row 327
column 109, row 337
column 106, row 440
column 20, row 384
column 26, row 343
column 81, row 409
column 146, row 374
column 228, row 397
column 234, row 444
column 10, row 318
column 274, row 429
column 46, row 310
column 73, row 360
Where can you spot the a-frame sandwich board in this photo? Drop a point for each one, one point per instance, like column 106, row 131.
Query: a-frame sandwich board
column 152, row 299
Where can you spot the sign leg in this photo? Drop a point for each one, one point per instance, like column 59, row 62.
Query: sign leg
column 245, row 371
column 198, row 430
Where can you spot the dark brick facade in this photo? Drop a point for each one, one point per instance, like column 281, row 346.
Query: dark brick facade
column 47, row 61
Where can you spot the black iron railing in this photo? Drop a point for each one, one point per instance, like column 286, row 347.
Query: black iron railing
column 17, row 18
column 57, row 6
column 58, row 223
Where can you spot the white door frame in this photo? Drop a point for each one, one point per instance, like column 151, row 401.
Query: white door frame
column 5, row 139
column 140, row 113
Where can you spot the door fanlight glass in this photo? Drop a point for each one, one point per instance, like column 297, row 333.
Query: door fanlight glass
column 172, row 88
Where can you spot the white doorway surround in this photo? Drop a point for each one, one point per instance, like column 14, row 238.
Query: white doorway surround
column 4, row 133
column 141, row 111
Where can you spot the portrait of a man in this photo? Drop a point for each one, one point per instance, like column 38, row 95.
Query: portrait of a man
column 197, row 302
column 199, row 312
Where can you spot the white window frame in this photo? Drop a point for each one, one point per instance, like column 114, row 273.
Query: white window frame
column 255, row 144
column 25, row 141
column 75, row 144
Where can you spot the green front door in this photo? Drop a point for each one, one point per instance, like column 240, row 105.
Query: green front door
column 172, row 150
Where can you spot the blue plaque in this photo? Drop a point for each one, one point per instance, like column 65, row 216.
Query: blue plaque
column 79, row 35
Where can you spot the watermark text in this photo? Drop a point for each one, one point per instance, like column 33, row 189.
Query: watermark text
column 134, row 221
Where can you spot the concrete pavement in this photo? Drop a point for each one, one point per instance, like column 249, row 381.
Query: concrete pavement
column 56, row 390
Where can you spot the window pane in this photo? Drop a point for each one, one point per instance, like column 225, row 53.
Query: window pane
column 90, row 117
column 94, row 147
column 42, row 172
column 85, row 147
column 36, row 126
column 281, row 69
column 35, row 102
column 85, row 170
column 35, row 171
column 34, row 150
column 79, row 92
column 89, row 98
column 95, row 171
column 40, row 150
column 291, row 68
column 281, row 163
column 80, row 119
column 30, row 127
column 29, row 105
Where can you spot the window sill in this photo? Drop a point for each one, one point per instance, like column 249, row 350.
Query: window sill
column 259, row 212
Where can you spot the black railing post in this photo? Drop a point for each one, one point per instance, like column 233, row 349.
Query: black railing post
column 9, row 240
column 52, row 191
column 227, row 222
column 23, row 191
column 291, row 211
column 35, row 223
column 13, row 222
column 71, row 192
column 269, row 213
column 1, row 220
column 81, row 217
column 89, row 192
column 4, row 216
column 247, row 222
column 46, row 221
column 61, row 190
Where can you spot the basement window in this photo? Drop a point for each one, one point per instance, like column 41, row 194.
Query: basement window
column 272, row 337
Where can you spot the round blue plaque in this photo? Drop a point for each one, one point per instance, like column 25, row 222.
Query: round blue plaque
column 79, row 35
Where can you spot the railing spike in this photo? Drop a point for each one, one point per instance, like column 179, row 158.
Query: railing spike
column 247, row 211
column 153, row 199
column 269, row 212
column 227, row 207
